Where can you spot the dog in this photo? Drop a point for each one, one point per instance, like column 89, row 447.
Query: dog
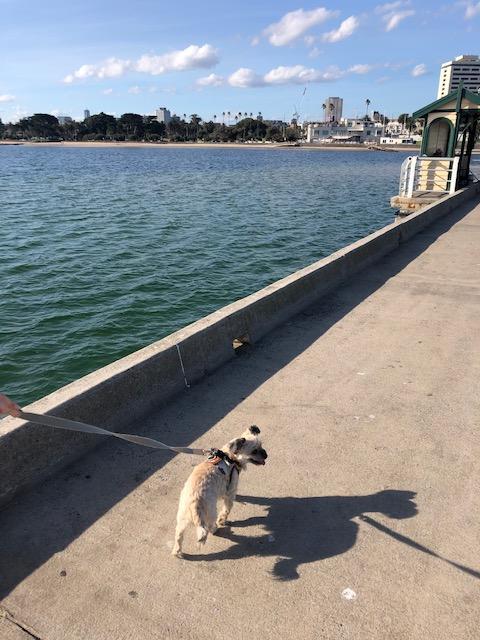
column 215, row 480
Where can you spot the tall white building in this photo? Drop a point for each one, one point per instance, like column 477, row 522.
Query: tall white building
column 334, row 109
column 466, row 68
column 163, row 115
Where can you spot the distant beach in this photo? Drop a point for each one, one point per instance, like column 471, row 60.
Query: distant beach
column 211, row 145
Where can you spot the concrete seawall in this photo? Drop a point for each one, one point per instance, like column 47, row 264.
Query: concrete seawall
column 124, row 392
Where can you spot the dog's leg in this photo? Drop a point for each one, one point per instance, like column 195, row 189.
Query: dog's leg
column 182, row 524
column 228, row 499
column 211, row 516
column 227, row 505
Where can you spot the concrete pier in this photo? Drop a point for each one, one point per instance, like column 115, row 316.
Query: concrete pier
column 364, row 522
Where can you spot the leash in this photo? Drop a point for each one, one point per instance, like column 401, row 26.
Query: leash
column 72, row 425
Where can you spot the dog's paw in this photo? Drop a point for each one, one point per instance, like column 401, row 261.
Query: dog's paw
column 176, row 553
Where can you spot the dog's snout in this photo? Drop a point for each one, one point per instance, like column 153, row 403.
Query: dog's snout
column 263, row 453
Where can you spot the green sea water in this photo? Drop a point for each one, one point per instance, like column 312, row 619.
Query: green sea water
column 106, row 250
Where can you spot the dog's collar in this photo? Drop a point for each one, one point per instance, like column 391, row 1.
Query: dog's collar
column 223, row 462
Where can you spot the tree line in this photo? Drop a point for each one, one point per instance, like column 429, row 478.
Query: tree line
column 134, row 127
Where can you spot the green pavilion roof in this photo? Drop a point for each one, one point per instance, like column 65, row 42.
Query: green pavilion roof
column 456, row 96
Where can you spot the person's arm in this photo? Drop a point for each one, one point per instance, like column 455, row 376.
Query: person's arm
column 9, row 406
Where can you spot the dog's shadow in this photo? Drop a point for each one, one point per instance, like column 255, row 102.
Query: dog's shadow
column 303, row 530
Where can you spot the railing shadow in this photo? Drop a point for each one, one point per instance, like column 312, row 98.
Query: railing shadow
column 47, row 519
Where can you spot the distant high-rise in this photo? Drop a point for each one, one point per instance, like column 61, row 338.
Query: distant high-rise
column 163, row 115
column 462, row 68
column 334, row 110
column 64, row 119
column 86, row 114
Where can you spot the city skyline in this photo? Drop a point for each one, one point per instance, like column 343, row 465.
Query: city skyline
column 118, row 58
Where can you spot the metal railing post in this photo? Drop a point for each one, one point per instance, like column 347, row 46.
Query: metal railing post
column 453, row 175
column 411, row 177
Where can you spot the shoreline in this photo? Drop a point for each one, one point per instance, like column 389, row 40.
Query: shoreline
column 206, row 145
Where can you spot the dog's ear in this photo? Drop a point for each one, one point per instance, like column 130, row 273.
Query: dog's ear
column 254, row 430
column 236, row 445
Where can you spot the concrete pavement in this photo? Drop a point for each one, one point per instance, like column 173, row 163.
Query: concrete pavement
column 364, row 522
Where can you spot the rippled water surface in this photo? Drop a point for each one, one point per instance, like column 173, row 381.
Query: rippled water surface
column 106, row 250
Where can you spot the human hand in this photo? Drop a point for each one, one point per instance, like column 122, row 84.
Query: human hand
column 9, row 406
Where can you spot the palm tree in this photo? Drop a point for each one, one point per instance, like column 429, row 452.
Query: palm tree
column 228, row 117
column 367, row 102
column 214, row 118
column 223, row 117
column 251, row 114
column 331, row 107
column 324, row 107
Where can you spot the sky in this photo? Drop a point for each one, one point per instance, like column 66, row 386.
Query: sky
column 275, row 57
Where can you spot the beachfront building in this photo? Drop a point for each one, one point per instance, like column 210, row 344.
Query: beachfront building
column 333, row 109
column 394, row 140
column 86, row 114
column 162, row 114
column 64, row 119
column 349, row 131
column 395, row 128
column 465, row 69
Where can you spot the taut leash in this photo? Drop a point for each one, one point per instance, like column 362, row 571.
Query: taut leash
column 72, row 425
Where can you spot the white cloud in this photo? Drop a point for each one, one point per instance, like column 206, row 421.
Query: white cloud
column 298, row 74
column 345, row 30
column 294, row 24
column 243, row 78
column 394, row 12
column 419, row 70
column 211, row 80
column 361, row 68
column 107, row 92
column 254, row 41
column 295, row 74
column 135, row 90
column 309, row 40
column 314, row 53
column 111, row 68
column 472, row 10
column 389, row 6
column 393, row 20
column 192, row 57
column 6, row 97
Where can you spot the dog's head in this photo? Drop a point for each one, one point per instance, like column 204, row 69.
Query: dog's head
column 247, row 448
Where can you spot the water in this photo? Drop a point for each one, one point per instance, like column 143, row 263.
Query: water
column 106, row 250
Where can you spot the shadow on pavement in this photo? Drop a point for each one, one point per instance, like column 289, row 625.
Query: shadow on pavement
column 304, row 530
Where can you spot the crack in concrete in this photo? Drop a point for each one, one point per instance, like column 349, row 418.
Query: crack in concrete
column 4, row 613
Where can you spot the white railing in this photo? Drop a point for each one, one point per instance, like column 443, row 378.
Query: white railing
column 421, row 174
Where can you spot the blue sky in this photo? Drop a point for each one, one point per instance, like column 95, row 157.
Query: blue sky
column 61, row 57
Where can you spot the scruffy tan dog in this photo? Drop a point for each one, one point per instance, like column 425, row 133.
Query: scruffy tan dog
column 213, row 480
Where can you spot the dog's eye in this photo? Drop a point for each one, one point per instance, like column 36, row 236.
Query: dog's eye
column 255, row 451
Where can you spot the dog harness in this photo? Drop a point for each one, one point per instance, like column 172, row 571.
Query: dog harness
column 224, row 464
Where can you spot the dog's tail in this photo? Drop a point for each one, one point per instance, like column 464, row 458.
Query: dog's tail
column 199, row 522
